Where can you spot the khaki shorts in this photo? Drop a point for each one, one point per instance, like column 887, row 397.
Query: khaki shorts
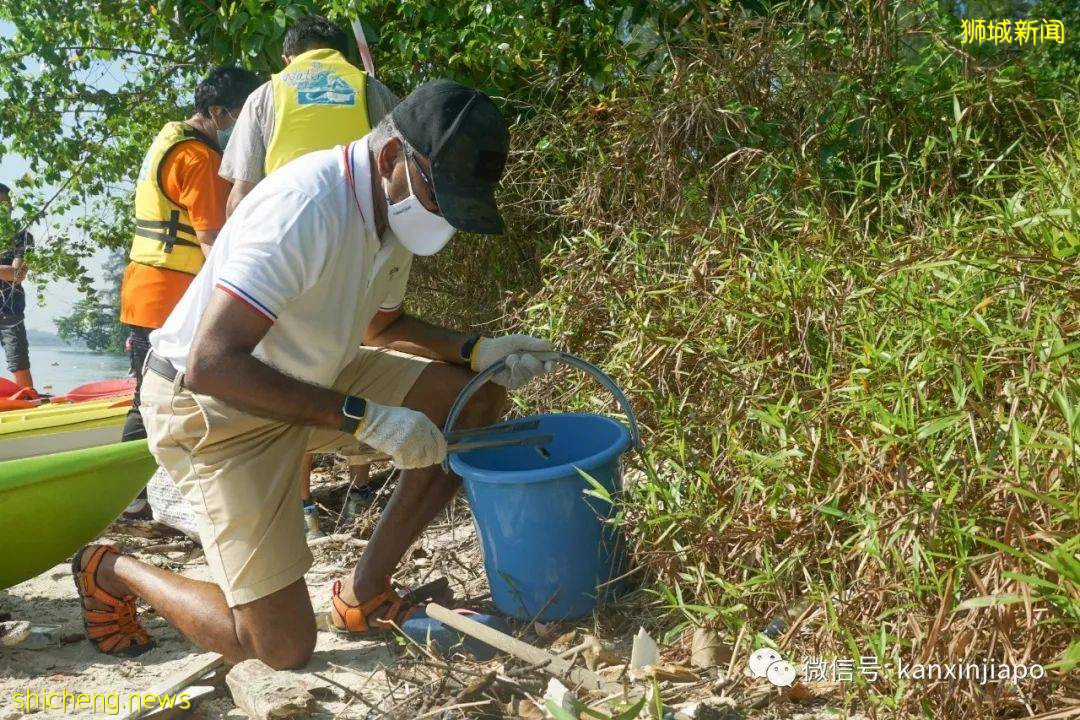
column 240, row 473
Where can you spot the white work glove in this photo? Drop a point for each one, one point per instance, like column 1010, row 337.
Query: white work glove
column 521, row 365
column 405, row 435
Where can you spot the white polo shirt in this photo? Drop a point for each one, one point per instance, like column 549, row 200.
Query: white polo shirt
column 299, row 252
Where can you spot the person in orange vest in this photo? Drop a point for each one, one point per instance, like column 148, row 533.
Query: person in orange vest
column 318, row 101
column 179, row 210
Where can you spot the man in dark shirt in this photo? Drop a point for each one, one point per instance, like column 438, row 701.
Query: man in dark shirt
column 13, row 303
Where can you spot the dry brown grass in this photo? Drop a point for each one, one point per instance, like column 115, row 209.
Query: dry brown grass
column 844, row 305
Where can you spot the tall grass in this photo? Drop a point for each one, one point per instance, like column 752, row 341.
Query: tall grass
column 832, row 259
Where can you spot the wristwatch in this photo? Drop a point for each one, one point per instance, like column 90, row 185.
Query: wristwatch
column 352, row 413
column 468, row 345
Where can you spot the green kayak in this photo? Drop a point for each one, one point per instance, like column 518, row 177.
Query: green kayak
column 53, row 504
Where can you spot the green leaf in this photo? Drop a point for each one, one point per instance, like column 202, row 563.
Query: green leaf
column 558, row 712
column 935, row 426
column 834, row 511
column 237, row 21
column 1029, row 580
column 633, row 711
column 1068, row 660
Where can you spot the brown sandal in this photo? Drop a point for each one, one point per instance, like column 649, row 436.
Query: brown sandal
column 352, row 620
column 116, row 631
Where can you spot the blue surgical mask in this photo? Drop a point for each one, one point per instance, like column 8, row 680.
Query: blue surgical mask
column 224, row 135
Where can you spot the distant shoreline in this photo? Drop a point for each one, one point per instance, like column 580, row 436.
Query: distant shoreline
column 82, row 350
column 40, row 338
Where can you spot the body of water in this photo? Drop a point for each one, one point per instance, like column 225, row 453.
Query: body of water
column 59, row 369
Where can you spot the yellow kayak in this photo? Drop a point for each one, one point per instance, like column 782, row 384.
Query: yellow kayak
column 57, row 428
column 11, row 417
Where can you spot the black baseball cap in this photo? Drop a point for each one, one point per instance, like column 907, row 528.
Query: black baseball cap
column 463, row 134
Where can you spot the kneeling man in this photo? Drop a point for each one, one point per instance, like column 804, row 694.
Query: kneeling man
column 292, row 340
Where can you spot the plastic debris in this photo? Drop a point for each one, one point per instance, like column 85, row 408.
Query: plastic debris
column 560, row 695
column 645, row 651
column 14, row 632
column 42, row 637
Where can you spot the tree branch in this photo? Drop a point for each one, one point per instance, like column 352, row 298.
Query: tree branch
column 117, row 51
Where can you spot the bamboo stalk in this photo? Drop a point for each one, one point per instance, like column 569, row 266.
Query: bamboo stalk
column 456, row 447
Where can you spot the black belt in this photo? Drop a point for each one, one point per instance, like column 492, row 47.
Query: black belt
column 161, row 366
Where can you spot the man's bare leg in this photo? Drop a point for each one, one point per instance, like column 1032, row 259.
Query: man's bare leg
column 279, row 629
column 420, row 494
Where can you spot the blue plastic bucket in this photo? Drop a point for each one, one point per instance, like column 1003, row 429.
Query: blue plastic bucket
column 548, row 552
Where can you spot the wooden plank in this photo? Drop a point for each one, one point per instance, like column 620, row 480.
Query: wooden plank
column 180, row 679
column 523, row 650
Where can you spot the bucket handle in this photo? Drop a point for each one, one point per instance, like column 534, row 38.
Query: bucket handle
column 565, row 358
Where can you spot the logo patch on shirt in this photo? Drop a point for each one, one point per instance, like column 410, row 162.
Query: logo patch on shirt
column 320, row 87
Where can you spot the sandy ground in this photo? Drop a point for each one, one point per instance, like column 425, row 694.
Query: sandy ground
column 350, row 679
column 72, row 665
column 50, row 599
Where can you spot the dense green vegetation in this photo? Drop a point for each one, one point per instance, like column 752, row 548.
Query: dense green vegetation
column 834, row 265
column 830, row 253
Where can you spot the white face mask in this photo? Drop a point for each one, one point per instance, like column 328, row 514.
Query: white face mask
column 419, row 230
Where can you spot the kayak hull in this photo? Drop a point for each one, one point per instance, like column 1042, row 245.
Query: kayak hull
column 52, row 505
column 11, row 400
column 10, row 418
column 14, row 404
column 99, row 389
column 51, row 429
column 78, row 437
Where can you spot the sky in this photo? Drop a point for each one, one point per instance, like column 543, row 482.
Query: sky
column 59, row 296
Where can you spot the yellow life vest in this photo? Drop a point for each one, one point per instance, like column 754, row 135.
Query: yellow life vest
column 319, row 102
column 164, row 236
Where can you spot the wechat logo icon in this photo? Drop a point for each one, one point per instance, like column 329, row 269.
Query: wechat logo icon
column 767, row 663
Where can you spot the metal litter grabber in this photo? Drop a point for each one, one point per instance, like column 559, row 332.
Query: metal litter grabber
column 504, row 427
column 464, row 441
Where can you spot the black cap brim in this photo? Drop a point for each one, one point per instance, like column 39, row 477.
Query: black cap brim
column 469, row 207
